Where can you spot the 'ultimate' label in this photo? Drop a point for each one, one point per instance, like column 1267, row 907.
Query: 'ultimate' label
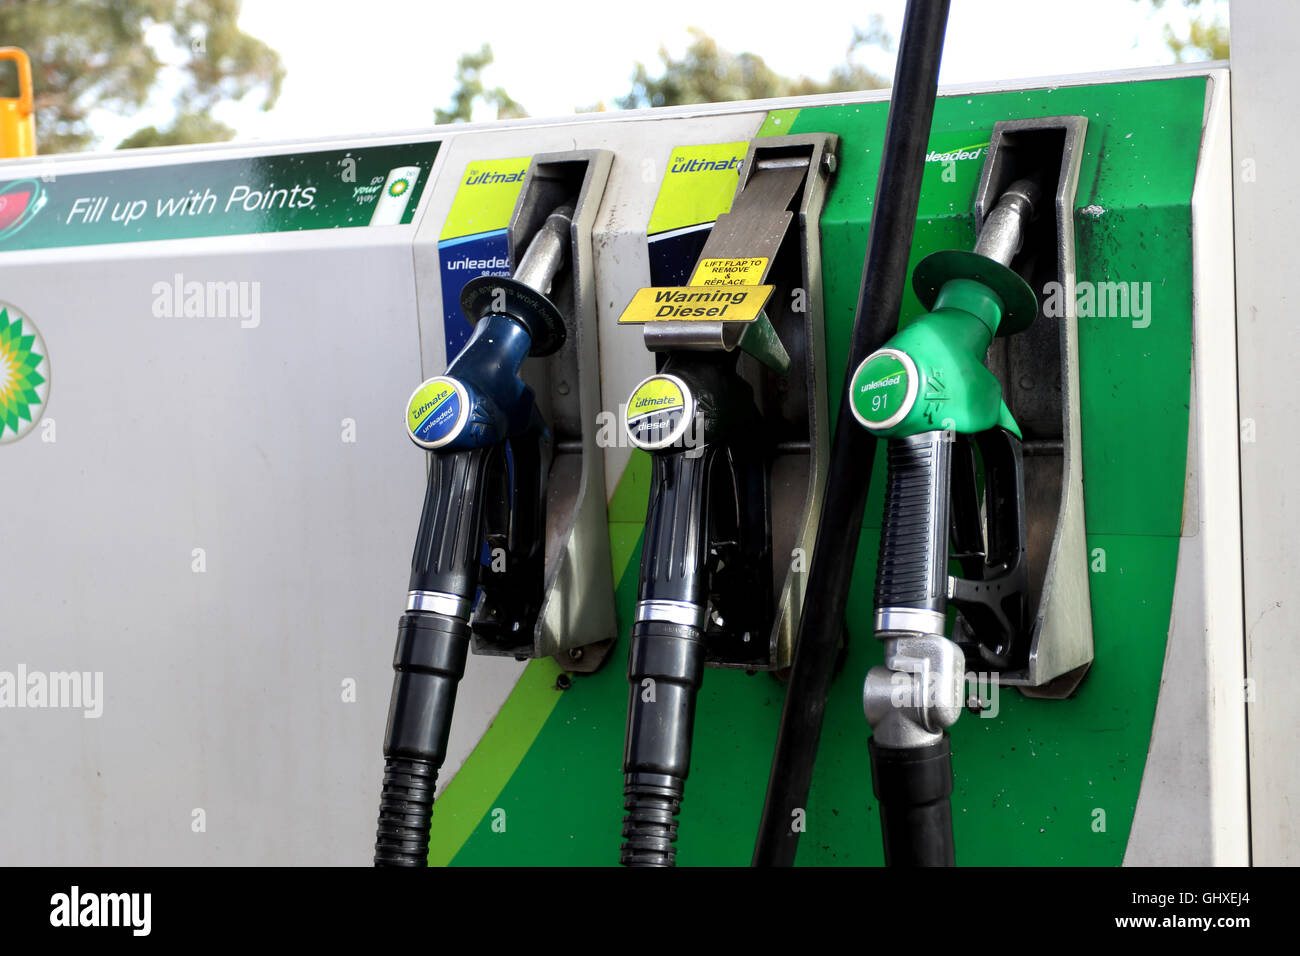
column 436, row 412
column 658, row 413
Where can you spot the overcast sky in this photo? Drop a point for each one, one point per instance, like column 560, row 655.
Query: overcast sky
column 376, row 65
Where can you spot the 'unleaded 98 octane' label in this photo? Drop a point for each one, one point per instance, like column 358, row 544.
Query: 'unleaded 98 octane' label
column 883, row 389
column 659, row 412
column 437, row 412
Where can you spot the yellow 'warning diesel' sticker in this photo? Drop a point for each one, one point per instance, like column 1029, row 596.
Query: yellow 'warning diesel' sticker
column 696, row 304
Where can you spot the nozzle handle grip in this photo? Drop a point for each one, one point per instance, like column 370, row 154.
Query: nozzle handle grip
column 449, row 542
column 912, row 571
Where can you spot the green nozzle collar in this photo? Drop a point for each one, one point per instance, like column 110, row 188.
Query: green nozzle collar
column 973, row 298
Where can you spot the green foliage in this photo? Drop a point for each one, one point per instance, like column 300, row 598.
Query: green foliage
column 706, row 74
column 1207, row 34
column 90, row 55
column 469, row 89
column 185, row 128
column 709, row 74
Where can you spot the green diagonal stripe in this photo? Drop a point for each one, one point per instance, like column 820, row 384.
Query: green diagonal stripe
column 468, row 798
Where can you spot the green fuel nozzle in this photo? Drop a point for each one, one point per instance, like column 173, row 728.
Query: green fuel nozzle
column 931, row 375
column 928, row 391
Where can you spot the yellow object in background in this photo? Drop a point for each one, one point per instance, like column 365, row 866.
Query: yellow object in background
column 17, row 123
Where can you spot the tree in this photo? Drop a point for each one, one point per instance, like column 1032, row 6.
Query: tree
column 90, row 55
column 709, row 74
column 470, row 89
column 1207, row 34
column 706, row 74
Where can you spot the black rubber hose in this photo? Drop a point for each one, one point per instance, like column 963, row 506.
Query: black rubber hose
column 889, row 243
column 913, row 786
column 665, row 669
column 429, row 663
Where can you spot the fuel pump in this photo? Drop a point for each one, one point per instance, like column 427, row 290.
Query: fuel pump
column 735, row 422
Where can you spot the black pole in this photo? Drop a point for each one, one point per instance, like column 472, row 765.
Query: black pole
column 889, row 243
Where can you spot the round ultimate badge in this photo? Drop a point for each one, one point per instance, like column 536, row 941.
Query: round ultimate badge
column 437, row 412
column 884, row 389
column 659, row 412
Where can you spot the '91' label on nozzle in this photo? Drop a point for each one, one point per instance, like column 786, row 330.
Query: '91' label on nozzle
column 437, row 412
column 659, row 412
column 883, row 389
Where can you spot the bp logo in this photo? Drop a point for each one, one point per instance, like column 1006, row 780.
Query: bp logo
column 398, row 187
column 24, row 374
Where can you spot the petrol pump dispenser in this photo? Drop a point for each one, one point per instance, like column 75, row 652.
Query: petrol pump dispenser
column 956, row 492
column 504, row 560
column 534, row 509
column 735, row 421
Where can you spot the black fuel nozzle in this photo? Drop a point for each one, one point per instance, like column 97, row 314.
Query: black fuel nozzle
column 477, row 494
column 705, row 573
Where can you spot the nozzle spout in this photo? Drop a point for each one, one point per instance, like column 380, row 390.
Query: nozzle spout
column 1004, row 229
column 545, row 254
